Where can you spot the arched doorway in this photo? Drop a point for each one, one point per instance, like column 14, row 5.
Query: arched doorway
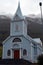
column 16, row 50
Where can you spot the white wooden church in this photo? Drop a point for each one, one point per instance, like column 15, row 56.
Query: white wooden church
column 19, row 45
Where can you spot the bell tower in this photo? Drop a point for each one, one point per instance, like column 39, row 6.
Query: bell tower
column 18, row 25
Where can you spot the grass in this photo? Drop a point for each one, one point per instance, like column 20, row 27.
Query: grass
column 0, row 51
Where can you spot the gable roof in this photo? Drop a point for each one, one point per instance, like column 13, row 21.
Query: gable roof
column 6, row 39
column 38, row 40
column 26, row 36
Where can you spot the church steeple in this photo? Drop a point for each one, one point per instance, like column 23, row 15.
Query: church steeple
column 18, row 13
column 18, row 25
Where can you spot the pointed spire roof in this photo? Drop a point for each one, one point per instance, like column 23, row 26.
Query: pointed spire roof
column 18, row 13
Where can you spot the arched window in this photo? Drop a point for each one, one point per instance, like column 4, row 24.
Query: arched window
column 8, row 52
column 17, row 40
column 24, row 52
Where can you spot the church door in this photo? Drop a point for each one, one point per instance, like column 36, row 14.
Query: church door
column 16, row 54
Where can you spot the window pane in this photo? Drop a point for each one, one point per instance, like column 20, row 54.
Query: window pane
column 24, row 52
column 17, row 40
column 8, row 53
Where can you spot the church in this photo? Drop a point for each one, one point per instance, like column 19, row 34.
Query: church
column 19, row 45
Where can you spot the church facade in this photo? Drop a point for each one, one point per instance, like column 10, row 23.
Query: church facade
column 19, row 45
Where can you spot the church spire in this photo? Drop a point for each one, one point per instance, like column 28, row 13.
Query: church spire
column 19, row 5
column 18, row 12
column 18, row 9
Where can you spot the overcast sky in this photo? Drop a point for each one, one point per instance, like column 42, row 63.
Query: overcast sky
column 27, row 6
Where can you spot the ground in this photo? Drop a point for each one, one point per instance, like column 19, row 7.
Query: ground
column 14, row 62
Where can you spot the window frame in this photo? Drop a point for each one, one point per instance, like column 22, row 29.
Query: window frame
column 16, row 40
column 24, row 52
column 8, row 53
